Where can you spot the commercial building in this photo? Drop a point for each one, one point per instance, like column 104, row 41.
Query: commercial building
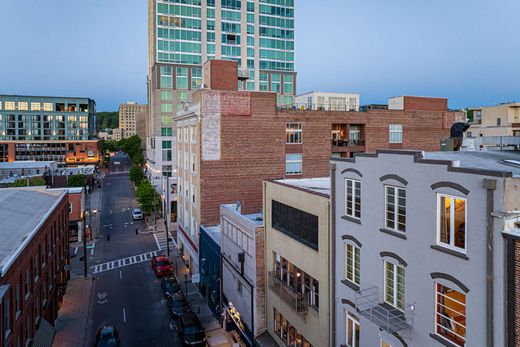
column 33, row 254
column 18, row 169
column 499, row 120
column 425, row 249
column 243, row 274
column 327, row 101
column 128, row 118
column 141, row 125
column 229, row 141
column 182, row 36
column 117, row 134
column 210, row 268
column 296, row 258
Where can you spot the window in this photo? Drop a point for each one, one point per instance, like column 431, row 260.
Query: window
column 286, row 332
column 352, row 330
column 353, row 198
column 287, row 84
column 293, row 163
column 352, row 263
column 166, row 80
column 47, row 106
column 394, row 285
column 166, row 151
column 499, row 121
column 395, row 208
column 294, row 132
column 295, row 223
column 452, row 222
column 193, row 132
column 355, row 135
column 450, row 314
column 167, row 170
column 9, row 105
column 193, row 163
column 166, row 95
column 166, row 108
column 166, row 132
column 396, row 133
column 181, row 80
column 69, row 206
column 166, row 120
column 35, row 106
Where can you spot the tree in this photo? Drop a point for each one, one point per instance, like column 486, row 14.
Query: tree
column 33, row 181
column 107, row 120
column 108, row 146
column 145, row 197
column 132, row 146
column 136, row 174
column 77, row 181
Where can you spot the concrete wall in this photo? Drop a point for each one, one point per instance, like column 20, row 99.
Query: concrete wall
column 415, row 249
column 314, row 325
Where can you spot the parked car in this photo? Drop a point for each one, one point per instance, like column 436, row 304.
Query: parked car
column 178, row 305
column 107, row 336
column 170, row 286
column 137, row 214
column 190, row 330
column 162, row 266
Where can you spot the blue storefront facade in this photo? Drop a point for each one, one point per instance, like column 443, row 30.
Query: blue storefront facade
column 210, row 267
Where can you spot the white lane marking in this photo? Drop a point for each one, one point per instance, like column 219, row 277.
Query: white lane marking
column 120, row 275
column 124, row 315
column 115, row 264
column 171, row 326
column 157, row 242
column 76, row 250
column 92, row 251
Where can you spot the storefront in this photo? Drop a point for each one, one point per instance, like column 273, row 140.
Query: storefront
column 234, row 321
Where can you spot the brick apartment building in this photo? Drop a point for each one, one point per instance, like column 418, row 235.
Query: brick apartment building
column 33, row 252
column 229, row 141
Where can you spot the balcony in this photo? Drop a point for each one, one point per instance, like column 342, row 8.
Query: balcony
column 385, row 316
column 244, row 74
column 298, row 302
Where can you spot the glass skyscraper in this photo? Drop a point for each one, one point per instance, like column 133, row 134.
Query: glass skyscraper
column 184, row 34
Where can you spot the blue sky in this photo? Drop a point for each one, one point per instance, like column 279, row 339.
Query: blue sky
column 466, row 50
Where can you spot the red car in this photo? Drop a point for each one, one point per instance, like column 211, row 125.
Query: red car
column 162, row 266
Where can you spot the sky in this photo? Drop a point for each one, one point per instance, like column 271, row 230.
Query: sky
column 465, row 50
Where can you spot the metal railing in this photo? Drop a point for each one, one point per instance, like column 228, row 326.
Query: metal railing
column 320, row 107
column 388, row 318
column 296, row 301
column 244, row 73
column 351, row 142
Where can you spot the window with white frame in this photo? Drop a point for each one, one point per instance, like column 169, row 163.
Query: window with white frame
column 353, row 198
column 450, row 314
column 395, row 218
column 294, row 132
column 352, row 263
column 352, row 330
column 293, row 163
column 193, row 163
column 193, row 131
column 395, row 132
column 9, row 105
column 394, row 285
column 193, row 198
column 451, row 230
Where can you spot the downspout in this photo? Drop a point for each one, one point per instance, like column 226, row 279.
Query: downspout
column 490, row 185
column 332, row 259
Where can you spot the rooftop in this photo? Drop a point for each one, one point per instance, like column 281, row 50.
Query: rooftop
column 319, row 185
column 498, row 161
column 23, row 212
column 213, row 232
column 26, row 164
column 254, row 218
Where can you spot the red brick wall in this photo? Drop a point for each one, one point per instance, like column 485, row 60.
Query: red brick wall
column 222, row 75
column 75, row 200
column 420, row 103
column 253, row 145
column 54, row 265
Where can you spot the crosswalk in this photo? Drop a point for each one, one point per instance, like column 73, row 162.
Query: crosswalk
column 115, row 264
column 160, row 240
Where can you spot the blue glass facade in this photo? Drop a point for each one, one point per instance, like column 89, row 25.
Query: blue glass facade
column 209, row 269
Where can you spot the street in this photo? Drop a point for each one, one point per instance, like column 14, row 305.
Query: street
column 125, row 291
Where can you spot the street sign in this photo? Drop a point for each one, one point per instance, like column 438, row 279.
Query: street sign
column 195, row 278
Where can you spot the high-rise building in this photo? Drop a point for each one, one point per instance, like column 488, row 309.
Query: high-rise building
column 258, row 34
column 128, row 118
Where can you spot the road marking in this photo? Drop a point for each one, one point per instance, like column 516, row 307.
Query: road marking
column 120, row 275
column 124, row 315
column 119, row 263
column 171, row 326
column 76, row 250
column 92, row 251
column 102, row 298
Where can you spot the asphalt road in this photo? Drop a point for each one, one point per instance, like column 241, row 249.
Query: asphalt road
column 127, row 295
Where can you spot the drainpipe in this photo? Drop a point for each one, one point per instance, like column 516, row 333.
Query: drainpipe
column 332, row 259
column 490, row 185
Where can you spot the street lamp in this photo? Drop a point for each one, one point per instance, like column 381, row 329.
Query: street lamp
column 85, row 213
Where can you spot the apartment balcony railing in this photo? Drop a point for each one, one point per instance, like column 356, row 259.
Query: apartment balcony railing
column 296, row 301
column 320, row 107
column 352, row 142
column 385, row 316
column 244, row 74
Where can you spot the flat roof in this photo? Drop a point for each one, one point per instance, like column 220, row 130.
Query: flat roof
column 213, row 232
column 319, row 185
column 26, row 164
column 256, row 219
column 330, row 93
column 45, row 96
column 23, row 212
column 500, row 161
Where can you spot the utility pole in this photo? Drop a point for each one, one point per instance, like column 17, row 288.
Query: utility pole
column 154, row 217
column 167, row 208
column 84, row 245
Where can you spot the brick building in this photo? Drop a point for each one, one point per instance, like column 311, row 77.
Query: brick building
column 33, row 252
column 229, row 141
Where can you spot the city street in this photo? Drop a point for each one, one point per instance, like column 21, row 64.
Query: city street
column 125, row 291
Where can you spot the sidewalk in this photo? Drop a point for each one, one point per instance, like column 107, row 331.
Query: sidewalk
column 215, row 334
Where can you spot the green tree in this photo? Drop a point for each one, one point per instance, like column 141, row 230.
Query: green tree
column 108, row 120
column 33, row 181
column 77, row 181
column 136, row 174
column 145, row 197
column 108, row 146
column 132, row 146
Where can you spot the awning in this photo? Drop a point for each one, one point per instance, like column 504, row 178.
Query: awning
column 44, row 335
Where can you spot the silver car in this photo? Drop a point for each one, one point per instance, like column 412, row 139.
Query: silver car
column 137, row 214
